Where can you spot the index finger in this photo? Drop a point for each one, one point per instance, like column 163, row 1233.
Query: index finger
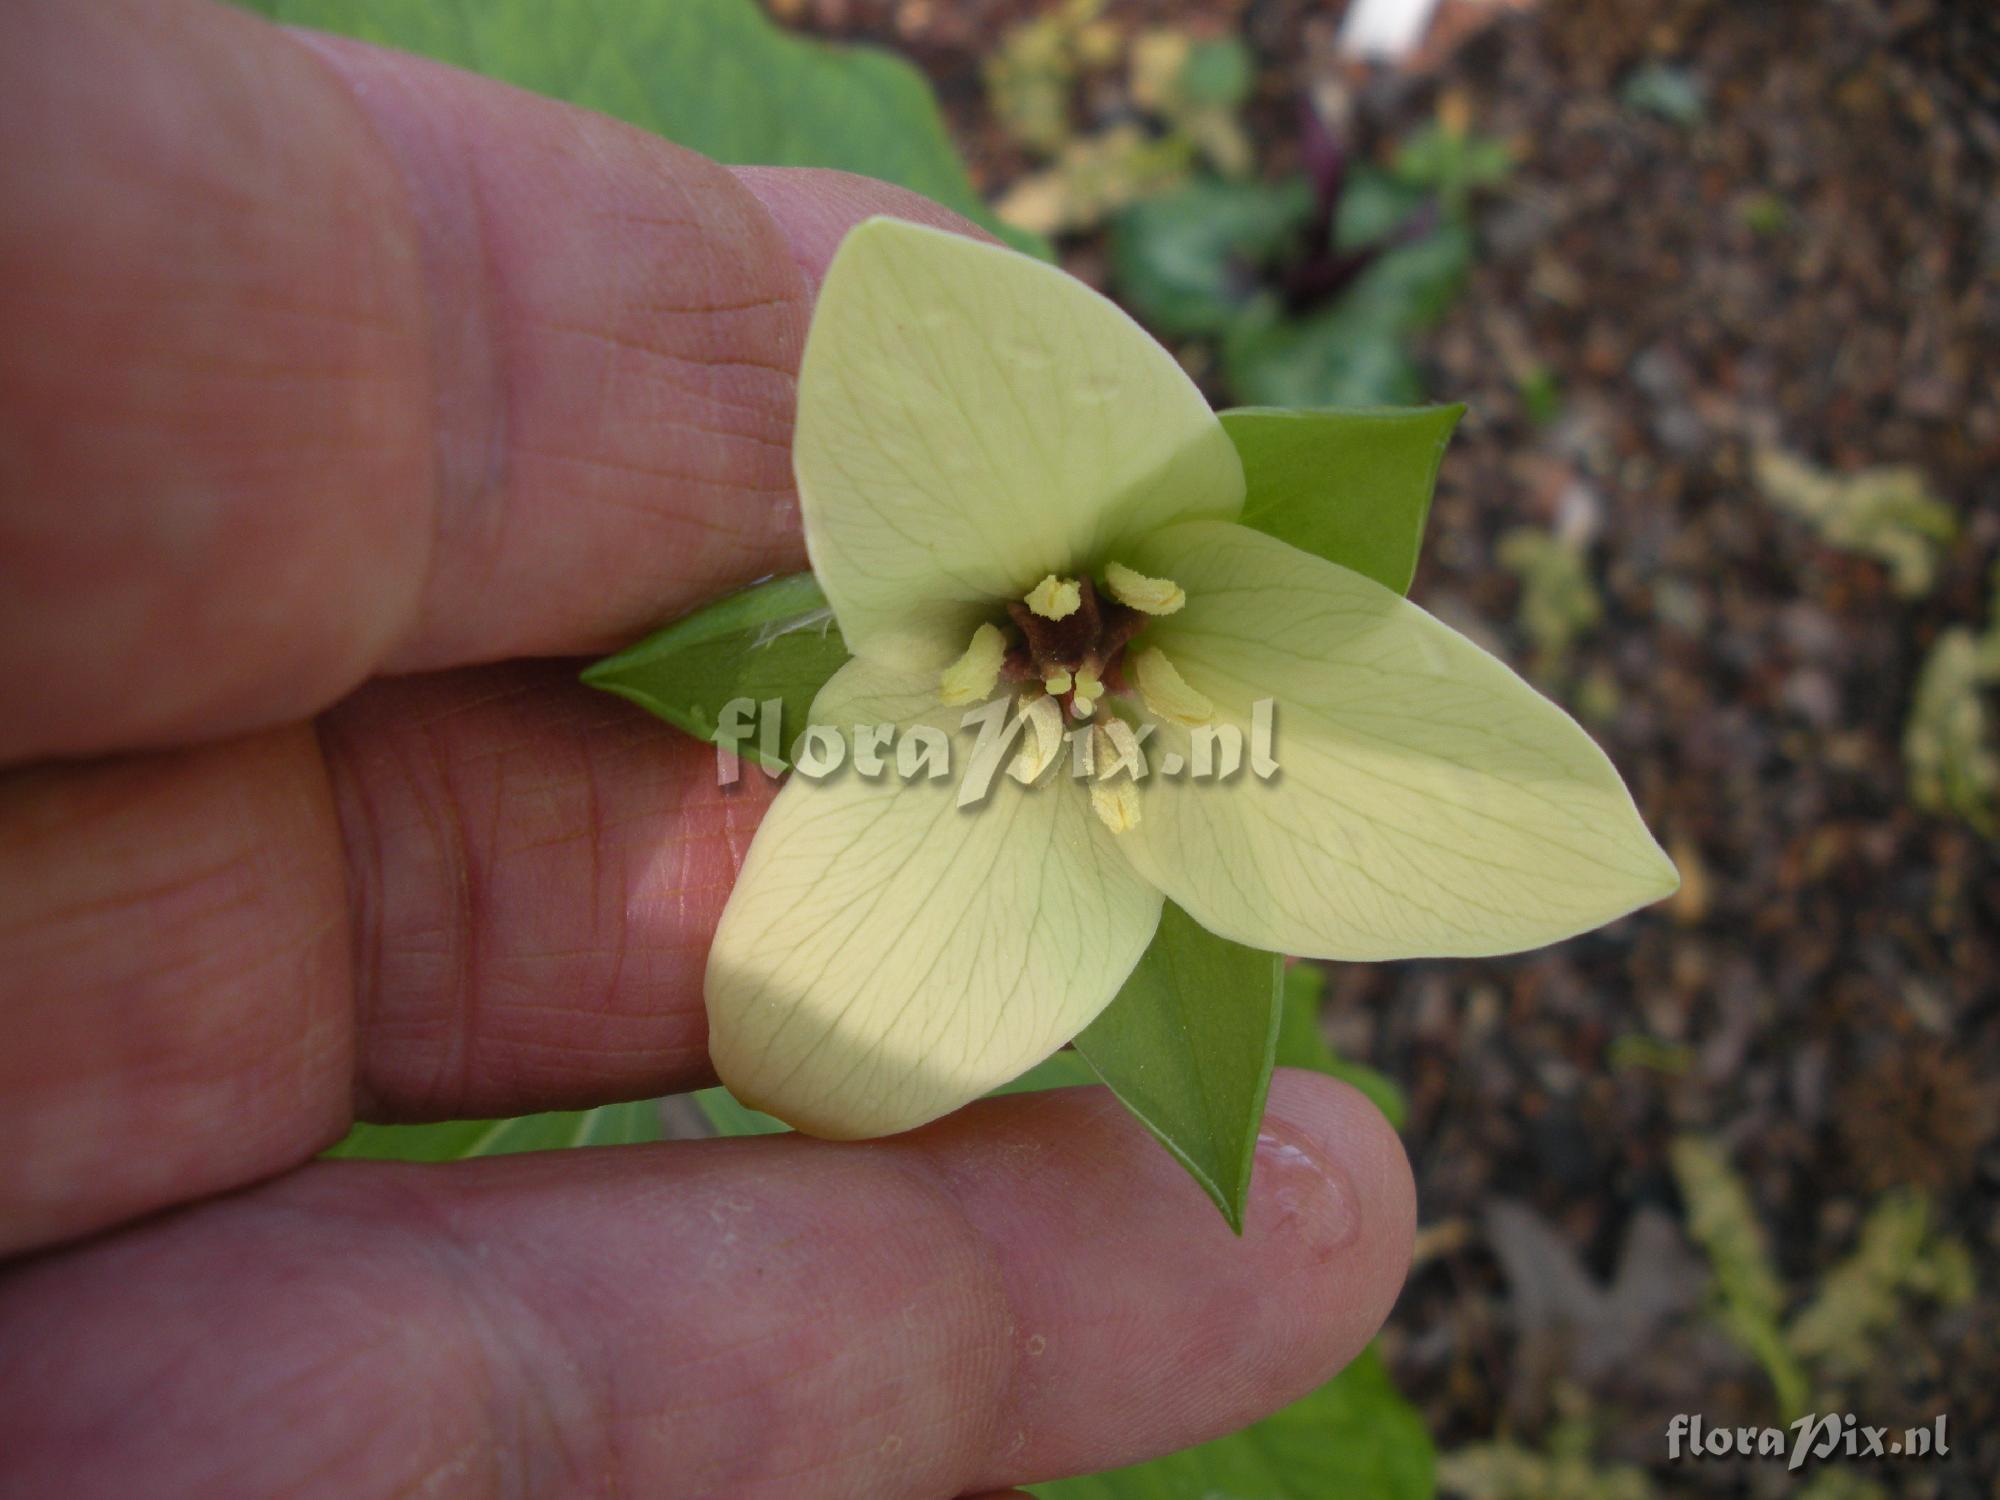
column 325, row 361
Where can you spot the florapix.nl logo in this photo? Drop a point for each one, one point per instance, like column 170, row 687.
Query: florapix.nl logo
column 1814, row 1438
column 1023, row 739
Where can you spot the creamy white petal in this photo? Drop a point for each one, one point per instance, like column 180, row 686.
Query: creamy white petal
column 887, row 956
column 1427, row 802
column 971, row 421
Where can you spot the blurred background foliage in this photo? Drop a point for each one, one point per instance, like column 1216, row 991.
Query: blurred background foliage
column 1721, row 286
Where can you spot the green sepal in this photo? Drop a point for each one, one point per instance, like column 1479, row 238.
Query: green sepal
column 1188, row 1045
column 775, row 640
column 1351, row 486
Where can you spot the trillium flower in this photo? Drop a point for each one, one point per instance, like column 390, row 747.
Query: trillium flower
column 1011, row 493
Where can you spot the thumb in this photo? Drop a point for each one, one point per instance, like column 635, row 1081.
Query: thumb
column 339, row 361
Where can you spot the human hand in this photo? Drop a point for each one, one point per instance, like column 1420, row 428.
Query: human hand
column 337, row 388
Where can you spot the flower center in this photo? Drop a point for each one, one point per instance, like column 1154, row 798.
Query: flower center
column 1070, row 639
column 1065, row 646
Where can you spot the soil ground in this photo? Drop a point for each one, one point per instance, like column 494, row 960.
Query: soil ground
column 1811, row 261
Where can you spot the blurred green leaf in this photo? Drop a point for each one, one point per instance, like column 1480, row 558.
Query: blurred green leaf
column 1559, row 602
column 1351, row 486
column 1887, row 512
column 1749, row 1299
column 1764, row 214
column 1950, row 744
column 1302, row 1044
column 1637, row 1050
column 1219, row 73
column 1030, row 70
column 1373, row 207
column 1862, row 1298
column 1095, row 176
column 1453, row 163
column 714, row 75
column 1541, row 395
column 1352, row 352
column 454, row 1140
column 1414, row 285
column 1187, row 262
column 1346, row 355
column 1187, row 1045
column 1355, row 1438
column 776, row 640
column 1672, row 93
column 1565, row 1468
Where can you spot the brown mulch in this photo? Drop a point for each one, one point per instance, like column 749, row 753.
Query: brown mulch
column 1814, row 262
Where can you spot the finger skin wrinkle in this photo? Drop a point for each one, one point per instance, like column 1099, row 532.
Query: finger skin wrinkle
column 569, row 322
column 877, row 1378
column 1000, row 1406
column 192, row 995
column 973, row 1305
column 202, row 458
column 459, row 1016
column 293, row 321
column 536, row 874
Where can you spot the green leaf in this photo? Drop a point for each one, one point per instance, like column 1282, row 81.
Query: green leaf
column 1301, row 1044
column 1374, row 206
column 454, row 1140
column 1187, row 262
column 1414, row 285
column 1453, row 163
column 1353, row 487
column 1352, row 352
column 1344, row 356
column 1187, row 1046
column 776, row 640
column 732, row 1118
column 1355, row 1438
column 714, row 75
column 1221, row 73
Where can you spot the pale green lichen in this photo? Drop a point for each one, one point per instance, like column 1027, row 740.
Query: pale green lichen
column 1950, row 745
column 1886, row 513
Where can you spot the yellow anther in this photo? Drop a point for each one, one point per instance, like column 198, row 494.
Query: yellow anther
column 971, row 677
column 1166, row 692
column 1152, row 596
column 1118, row 751
column 1115, row 759
column 1054, row 598
column 1041, row 738
column 1057, row 681
column 1087, row 690
column 1116, row 804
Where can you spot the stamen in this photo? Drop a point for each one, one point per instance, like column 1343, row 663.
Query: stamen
column 1114, row 739
column 1166, row 692
column 1114, row 798
column 972, row 676
column 1087, row 690
column 1058, row 681
column 1153, row 596
column 1042, row 744
column 1054, row 598
column 1116, row 805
